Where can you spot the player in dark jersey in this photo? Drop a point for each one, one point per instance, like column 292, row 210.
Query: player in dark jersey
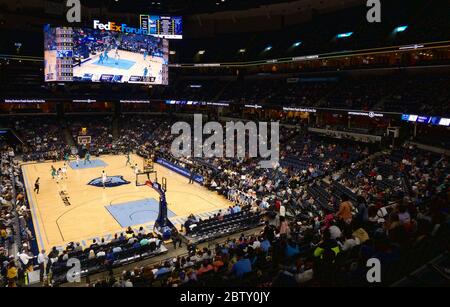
column 36, row 186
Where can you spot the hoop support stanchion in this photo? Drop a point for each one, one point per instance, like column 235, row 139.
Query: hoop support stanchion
column 162, row 224
column 164, row 184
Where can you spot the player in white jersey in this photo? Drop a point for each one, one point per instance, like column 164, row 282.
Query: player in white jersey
column 64, row 171
column 78, row 160
column 136, row 169
column 104, row 179
column 117, row 56
column 58, row 175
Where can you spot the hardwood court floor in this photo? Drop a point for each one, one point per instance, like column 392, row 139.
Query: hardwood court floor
column 86, row 217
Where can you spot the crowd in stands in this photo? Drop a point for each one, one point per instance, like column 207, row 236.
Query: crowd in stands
column 103, row 255
column 140, row 132
column 16, row 234
column 208, row 266
column 42, row 136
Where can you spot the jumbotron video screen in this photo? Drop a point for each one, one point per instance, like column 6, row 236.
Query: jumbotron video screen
column 94, row 55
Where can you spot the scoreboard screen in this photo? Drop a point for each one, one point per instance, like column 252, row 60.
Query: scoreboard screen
column 169, row 27
column 433, row 120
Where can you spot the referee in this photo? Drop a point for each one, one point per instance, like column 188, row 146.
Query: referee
column 191, row 177
column 36, row 186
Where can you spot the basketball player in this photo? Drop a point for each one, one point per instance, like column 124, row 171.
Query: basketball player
column 36, row 186
column 145, row 55
column 87, row 158
column 117, row 56
column 136, row 169
column 104, row 179
column 58, row 175
column 78, row 161
column 64, row 171
column 66, row 157
column 145, row 72
column 105, row 55
column 53, row 172
column 100, row 61
column 128, row 159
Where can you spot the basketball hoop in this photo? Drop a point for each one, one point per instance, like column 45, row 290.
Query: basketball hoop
column 84, row 140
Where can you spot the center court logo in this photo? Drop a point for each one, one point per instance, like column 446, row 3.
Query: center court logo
column 112, row 181
column 236, row 135
column 112, row 26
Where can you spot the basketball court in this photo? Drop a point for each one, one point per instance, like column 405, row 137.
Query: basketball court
column 79, row 209
column 127, row 64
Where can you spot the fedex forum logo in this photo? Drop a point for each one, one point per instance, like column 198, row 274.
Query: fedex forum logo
column 112, row 26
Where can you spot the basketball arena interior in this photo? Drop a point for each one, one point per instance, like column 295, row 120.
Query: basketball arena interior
column 197, row 144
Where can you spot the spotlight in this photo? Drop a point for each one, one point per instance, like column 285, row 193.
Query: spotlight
column 297, row 44
column 400, row 29
column 343, row 35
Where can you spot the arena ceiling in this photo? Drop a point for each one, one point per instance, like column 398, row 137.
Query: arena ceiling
column 180, row 7
column 190, row 7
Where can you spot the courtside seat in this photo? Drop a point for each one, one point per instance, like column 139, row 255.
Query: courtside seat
column 231, row 223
